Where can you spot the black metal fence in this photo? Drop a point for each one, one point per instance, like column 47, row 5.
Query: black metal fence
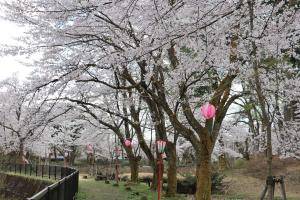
column 64, row 189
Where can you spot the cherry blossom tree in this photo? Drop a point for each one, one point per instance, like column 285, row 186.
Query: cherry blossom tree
column 175, row 54
column 24, row 115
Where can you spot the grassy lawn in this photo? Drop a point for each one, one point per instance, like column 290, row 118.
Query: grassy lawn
column 33, row 177
column 98, row 190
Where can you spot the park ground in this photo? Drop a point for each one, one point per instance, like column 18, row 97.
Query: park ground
column 243, row 182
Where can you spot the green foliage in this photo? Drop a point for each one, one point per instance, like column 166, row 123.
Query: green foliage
column 249, row 106
column 201, row 90
column 217, row 182
column 270, row 63
column 188, row 51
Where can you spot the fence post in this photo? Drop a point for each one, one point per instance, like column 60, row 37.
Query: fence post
column 49, row 170
column 55, row 172
column 62, row 190
column 36, row 169
column 58, row 191
column 20, row 168
column 66, row 191
column 48, row 193
column 77, row 181
column 63, row 172
column 43, row 171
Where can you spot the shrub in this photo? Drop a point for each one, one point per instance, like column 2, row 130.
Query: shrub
column 188, row 185
column 217, row 182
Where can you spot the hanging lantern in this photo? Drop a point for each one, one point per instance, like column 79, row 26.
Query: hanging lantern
column 161, row 146
column 128, row 142
column 208, row 111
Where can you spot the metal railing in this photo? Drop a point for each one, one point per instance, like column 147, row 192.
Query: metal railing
column 64, row 189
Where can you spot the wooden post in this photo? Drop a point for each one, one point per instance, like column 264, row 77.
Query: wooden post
column 49, row 171
column 42, row 171
column 159, row 177
column 263, row 194
column 282, row 188
column 271, row 181
column 55, row 172
column 36, row 170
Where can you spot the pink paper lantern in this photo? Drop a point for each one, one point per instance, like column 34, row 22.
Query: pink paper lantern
column 127, row 142
column 208, row 111
column 161, row 146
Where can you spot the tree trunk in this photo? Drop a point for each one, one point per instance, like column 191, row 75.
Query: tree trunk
column 154, row 178
column 72, row 155
column 203, row 174
column 55, row 153
column 246, row 154
column 21, row 152
column 133, row 163
column 269, row 159
column 134, row 170
column 172, row 170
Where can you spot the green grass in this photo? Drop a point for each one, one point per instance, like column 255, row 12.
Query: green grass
column 229, row 197
column 45, row 179
column 98, row 190
column 245, row 197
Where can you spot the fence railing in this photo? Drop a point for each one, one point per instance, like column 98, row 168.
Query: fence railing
column 64, row 189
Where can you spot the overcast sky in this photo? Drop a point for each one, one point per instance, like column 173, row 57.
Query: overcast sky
column 10, row 64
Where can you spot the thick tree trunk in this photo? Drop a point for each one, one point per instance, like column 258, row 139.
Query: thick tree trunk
column 203, row 174
column 154, row 178
column 203, row 170
column 134, row 170
column 133, row 163
column 172, row 170
column 72, row 155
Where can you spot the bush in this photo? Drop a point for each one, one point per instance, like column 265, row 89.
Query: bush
column 217, row 182
column 188, row 185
